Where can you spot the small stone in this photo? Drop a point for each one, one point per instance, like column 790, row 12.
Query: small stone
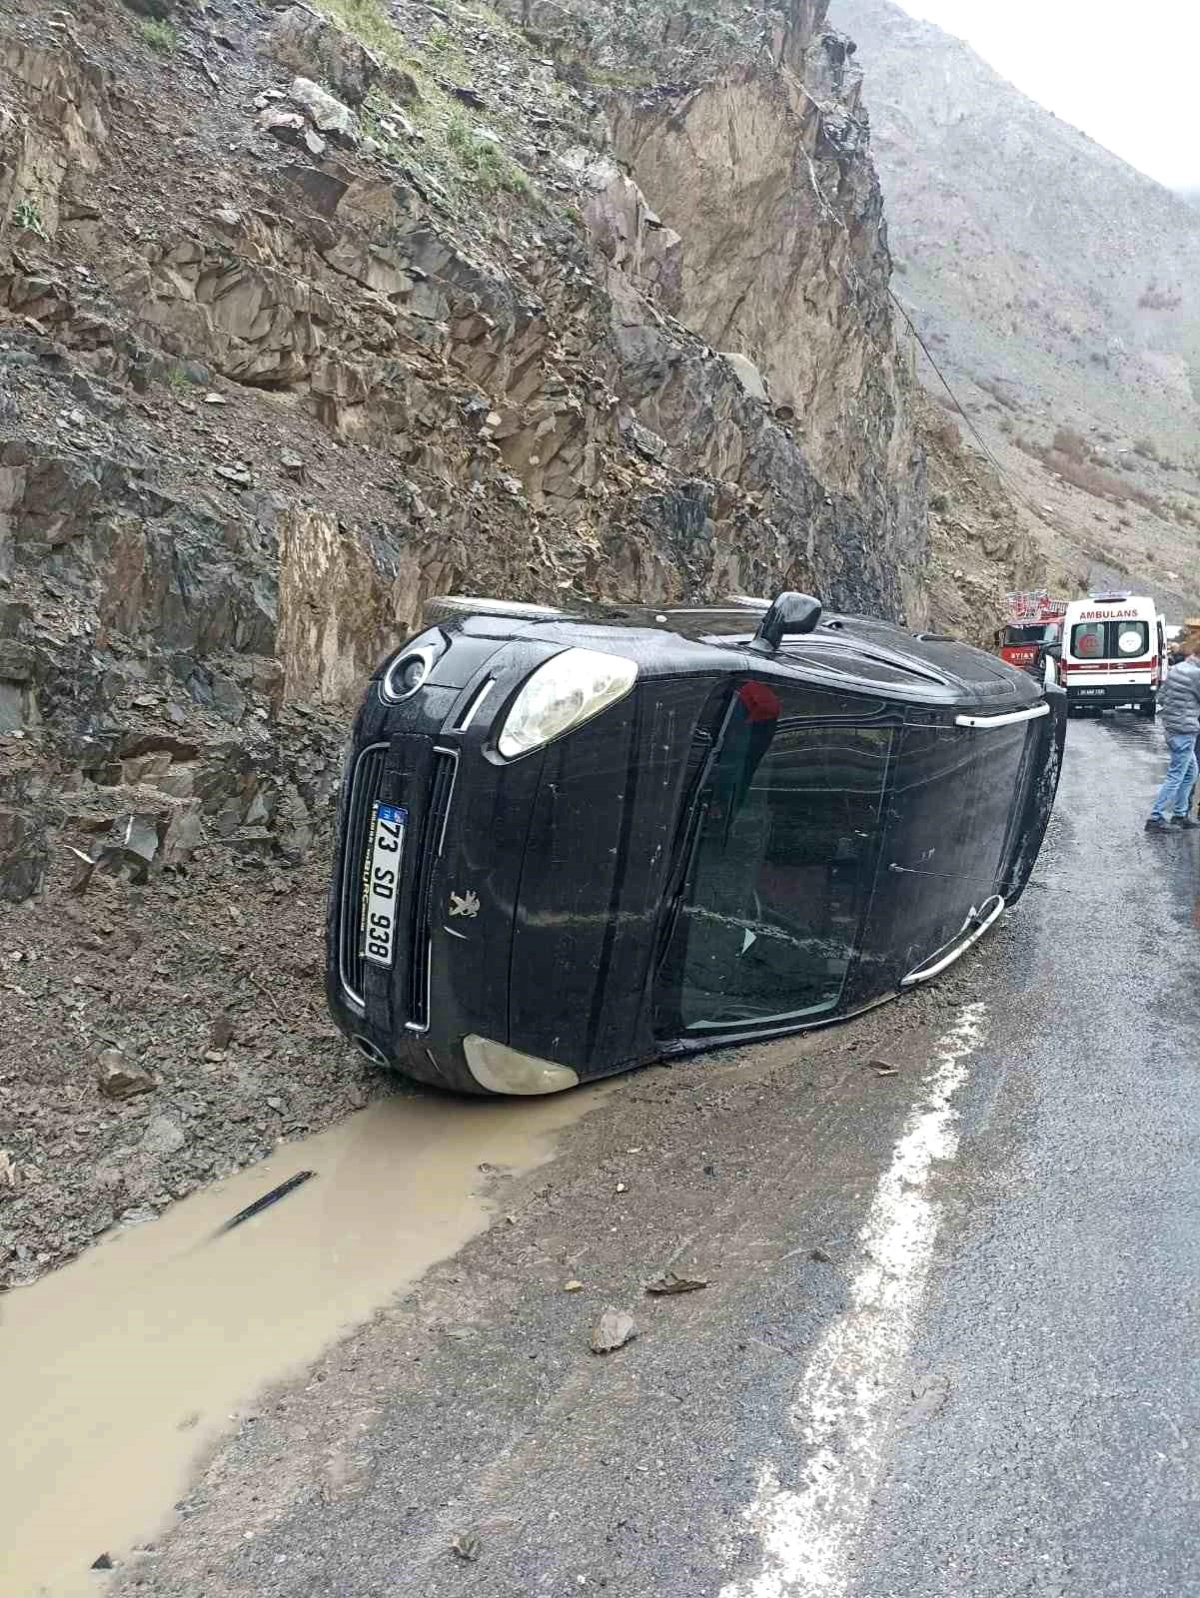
column 215, row 399
column 163, row 1136
column 466, row 1546
column 286, row 125
column 572, row 1286
column 104, row 1562
column 8, row 1171
column 292, row 463
column 119, row 1078
column 669, row 1284
column 221, row 1035
column 613, row 1330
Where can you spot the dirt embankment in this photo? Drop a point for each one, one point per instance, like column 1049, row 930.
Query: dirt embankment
column 308, row 314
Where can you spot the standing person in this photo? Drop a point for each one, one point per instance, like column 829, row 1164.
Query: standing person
column 1181, row 724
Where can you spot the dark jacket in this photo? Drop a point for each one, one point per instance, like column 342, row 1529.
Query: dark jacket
column 1180, row 698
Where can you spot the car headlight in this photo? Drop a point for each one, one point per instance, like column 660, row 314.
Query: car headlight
column 570, row 688
column 500, row 1069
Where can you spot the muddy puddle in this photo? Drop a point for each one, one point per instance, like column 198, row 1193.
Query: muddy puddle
column 119, row 1370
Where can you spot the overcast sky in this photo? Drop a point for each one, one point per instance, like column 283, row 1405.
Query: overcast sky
column 1128, row 75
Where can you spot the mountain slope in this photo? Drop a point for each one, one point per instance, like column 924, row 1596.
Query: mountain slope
column 1059, row 291
column 1029, row 250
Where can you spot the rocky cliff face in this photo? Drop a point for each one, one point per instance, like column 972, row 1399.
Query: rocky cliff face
column 308, row 314
column 279, row 364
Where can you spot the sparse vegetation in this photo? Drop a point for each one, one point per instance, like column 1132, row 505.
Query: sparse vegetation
column 993, row 386
column 481, row 163
column 1092, row 479
column 369, row 22
column 457, row 162
column 1154, row 298
column 27, row 215
column 1149, row 451
column 1073, row 445
column 440, row 43
column 160, row 35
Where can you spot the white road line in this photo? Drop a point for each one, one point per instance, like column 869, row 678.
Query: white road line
column 844, row 1405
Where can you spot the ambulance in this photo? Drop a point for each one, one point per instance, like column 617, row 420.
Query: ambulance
column 1113, row 653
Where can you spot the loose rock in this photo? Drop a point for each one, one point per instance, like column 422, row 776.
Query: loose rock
column 669, row 1283
column 162, row 1136
column 613, row 1330
column 328, row 114
column 310, row 44
column 119, row 1078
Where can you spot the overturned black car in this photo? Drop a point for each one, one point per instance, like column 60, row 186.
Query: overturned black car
column 569, row 844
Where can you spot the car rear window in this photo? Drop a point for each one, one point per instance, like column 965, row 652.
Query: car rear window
column 1110, row 640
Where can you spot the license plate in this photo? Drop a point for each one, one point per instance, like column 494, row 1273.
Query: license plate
column 382, row 888
column 1090, row 693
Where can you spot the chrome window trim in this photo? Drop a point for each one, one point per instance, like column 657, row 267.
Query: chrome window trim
column 926, row 972
column 1008, row 719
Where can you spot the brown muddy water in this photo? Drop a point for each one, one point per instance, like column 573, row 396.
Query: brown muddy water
column 119, row 1370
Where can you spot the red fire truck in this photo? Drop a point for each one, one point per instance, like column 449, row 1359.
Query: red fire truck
column 1034, row 620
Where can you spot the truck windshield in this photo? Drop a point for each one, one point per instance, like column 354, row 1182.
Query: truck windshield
column 779, row 874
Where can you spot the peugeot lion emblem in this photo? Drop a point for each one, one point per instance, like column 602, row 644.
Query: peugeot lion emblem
column 464, row 904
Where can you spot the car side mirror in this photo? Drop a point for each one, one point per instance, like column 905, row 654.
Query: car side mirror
column 1054, row 651
column 791, row 613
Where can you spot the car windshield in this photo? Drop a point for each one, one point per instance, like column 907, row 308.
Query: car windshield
column 779, row 873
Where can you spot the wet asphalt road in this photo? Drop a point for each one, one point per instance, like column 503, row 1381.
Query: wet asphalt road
column 983, row 1384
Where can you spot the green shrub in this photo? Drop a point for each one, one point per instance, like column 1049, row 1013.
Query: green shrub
column 160, row 35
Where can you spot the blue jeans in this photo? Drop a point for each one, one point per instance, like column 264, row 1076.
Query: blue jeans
column 1181, row 774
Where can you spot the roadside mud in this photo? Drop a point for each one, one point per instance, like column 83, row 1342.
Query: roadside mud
column 117, row 1372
